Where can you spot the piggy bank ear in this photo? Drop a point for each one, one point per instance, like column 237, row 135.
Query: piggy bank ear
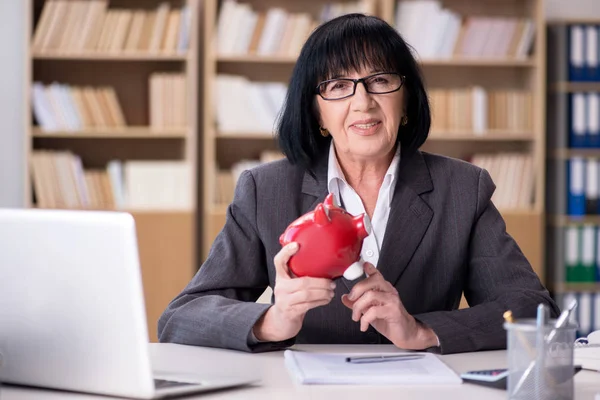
column 330, row 200
column 321, row 215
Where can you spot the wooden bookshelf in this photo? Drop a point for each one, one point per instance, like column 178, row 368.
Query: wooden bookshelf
column 561, row 113
column 160, row 121
column 222, row 149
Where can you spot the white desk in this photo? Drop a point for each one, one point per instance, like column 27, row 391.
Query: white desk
column 276, row 383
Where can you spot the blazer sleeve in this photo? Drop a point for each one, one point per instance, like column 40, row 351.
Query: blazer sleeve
column 218, row 307
column 499, row 278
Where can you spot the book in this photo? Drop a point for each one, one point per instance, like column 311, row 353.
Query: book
column 83, row 26
column 434, row 31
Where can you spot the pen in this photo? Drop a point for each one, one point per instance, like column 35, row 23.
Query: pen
column 562, row 321
column 382, row 358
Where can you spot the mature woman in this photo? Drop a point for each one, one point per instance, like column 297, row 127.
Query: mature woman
column 355, row 116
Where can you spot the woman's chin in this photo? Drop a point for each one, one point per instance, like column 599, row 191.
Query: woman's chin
column 369, row 153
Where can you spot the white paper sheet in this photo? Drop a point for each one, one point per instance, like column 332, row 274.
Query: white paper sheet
column 324, row 368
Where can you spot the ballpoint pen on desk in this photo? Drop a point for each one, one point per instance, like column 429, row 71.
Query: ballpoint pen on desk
column 383, row 358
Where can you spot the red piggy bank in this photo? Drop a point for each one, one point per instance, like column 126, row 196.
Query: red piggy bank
column 330, row 240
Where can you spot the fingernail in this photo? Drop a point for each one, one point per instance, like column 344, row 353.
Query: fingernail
column 293, row 246
column 332, row 285
column 351, row 296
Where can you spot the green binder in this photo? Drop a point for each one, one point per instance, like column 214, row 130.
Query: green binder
column 572, row 241
column 587, row 268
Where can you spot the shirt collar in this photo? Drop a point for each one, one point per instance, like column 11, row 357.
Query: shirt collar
column 334, row 172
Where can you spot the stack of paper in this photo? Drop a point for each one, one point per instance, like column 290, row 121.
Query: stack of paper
column 323, row 368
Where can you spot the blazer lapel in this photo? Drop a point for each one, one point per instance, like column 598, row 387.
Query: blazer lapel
column 314, row 188
column 409, row 218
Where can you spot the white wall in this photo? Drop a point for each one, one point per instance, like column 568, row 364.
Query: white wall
column 572, row 9
column 12, row 118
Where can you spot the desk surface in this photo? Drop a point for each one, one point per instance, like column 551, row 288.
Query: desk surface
column 275, row 382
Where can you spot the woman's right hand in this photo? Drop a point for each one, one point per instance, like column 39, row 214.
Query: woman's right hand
column 293, row 298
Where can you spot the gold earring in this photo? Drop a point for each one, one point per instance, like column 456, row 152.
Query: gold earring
column 324, row 132
column 404, row 120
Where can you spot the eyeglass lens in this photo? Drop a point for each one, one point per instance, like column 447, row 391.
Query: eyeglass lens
column 380, row 83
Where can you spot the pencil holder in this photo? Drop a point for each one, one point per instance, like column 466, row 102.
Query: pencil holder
column 540, row 364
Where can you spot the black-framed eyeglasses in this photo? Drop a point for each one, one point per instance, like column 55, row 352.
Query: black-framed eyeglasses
column 341, row 88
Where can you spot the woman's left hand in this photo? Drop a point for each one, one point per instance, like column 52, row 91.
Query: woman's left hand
column 375, row 301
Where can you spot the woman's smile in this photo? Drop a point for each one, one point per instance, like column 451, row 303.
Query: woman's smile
column 367, row 127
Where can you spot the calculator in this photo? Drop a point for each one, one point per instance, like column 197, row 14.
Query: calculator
column 495, row 378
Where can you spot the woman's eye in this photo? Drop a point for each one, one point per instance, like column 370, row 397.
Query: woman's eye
column 339, row 86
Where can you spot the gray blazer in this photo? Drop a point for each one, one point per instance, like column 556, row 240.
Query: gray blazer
column 444, row 237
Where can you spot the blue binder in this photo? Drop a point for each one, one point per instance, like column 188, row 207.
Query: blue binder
column 593, row 119
column 578, row 137
column 591, row 53
column 576, row 186
column 577, row 53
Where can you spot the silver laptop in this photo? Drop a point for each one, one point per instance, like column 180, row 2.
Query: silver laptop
column 72, row 313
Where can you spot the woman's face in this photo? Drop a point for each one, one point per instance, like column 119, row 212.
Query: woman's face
column 363, row 126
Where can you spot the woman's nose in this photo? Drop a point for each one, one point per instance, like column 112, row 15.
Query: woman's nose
column 362, row 99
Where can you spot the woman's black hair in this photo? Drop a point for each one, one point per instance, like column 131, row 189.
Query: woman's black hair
column 348, row 43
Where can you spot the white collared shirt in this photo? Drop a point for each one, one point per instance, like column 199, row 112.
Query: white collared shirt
column 346, row 196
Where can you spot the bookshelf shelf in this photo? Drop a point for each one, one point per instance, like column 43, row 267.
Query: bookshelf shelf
column 256, row 59
column 136, row 210
column 481, row 62
column 219, row 209
column 246, row 135
column 566, row 220
column 500, row 136
column 114, row 133
column 576, row 21
column 570, row 87
column 578, row 287
column 516, row 212
column 457, row 62
column 564, row 154
column 95, row 56
column 157, row 211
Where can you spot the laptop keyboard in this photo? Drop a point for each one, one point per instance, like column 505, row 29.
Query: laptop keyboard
column 162, row 384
